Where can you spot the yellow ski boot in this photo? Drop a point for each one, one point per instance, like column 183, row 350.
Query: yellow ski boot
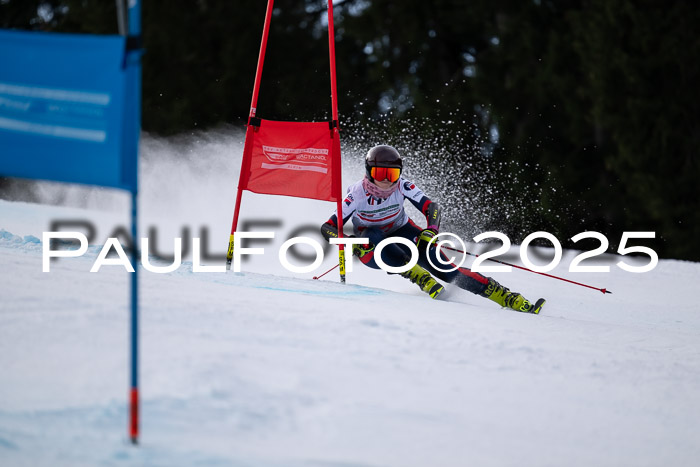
column 425, row 281
column 513, row 300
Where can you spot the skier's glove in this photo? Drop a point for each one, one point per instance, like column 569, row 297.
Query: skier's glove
column 426, row 236
column 362, row 250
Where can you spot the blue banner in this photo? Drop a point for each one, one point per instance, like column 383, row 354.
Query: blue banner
column 66, row 112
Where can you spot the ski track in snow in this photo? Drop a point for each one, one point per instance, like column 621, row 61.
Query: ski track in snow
column 267, row 368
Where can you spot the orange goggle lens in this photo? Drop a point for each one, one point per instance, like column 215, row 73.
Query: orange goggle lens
column 385, row 173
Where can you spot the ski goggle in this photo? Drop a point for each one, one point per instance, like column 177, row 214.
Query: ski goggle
column 385, row 173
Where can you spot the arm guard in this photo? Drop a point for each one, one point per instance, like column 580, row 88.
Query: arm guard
column 329, row 231
column 433, row 215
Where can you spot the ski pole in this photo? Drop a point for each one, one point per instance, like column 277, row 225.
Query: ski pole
column 318, row 277
column 603, row 290
column 530, row 270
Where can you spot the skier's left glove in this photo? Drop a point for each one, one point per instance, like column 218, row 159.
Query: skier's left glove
column 426, row 236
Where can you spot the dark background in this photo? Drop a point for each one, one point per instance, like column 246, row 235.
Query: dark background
column 598, row 100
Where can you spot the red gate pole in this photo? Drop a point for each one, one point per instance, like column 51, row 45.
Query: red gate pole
column 242, row 179
column 337, row 175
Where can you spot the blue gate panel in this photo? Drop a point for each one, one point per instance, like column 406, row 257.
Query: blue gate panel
column 63, row 108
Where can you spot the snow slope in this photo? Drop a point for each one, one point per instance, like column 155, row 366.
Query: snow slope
column 269, row 368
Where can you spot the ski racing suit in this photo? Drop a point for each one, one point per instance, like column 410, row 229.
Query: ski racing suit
column 377, row 219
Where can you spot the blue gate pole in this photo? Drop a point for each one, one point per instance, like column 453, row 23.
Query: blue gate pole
column 134, row 392
column 134, row 97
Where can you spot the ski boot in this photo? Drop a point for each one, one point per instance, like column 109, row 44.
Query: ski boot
column 513, row 300
column 425, row 281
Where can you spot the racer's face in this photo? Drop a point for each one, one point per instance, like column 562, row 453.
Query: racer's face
column 384, row 184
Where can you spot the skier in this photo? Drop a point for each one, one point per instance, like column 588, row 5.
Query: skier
column 375, row 205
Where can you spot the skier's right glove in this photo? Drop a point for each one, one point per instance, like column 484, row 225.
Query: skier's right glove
column 362, row 250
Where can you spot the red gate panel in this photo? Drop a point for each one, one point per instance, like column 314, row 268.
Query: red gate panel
column 291, row 159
